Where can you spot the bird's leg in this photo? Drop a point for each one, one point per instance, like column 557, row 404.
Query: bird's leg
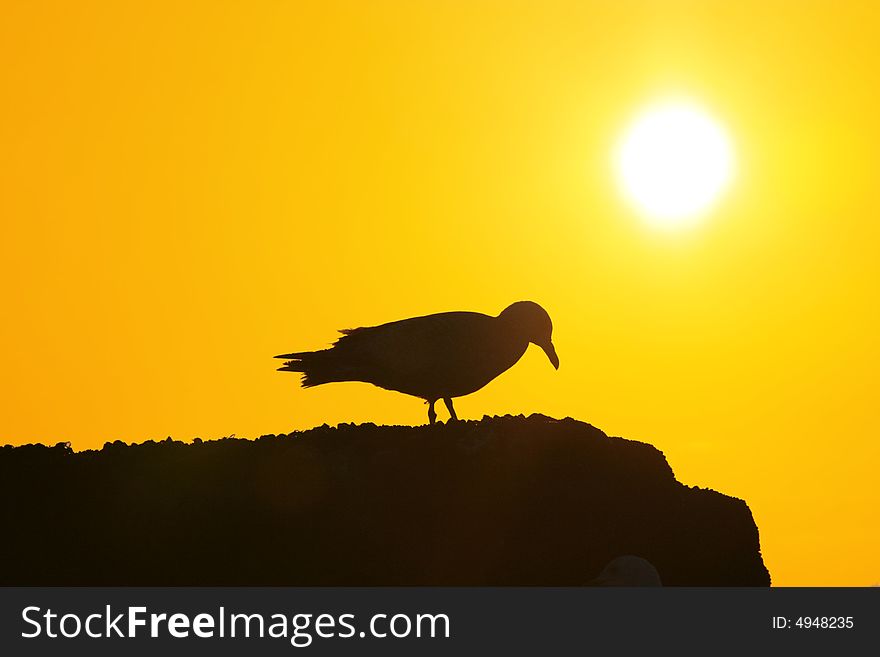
column 432, row 414
column 448, row 402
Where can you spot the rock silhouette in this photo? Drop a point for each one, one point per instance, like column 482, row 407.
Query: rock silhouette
column 627, row 570
column 440, row 356
column 502, row 501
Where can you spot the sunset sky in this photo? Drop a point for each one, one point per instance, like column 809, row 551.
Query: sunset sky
column 189, row 188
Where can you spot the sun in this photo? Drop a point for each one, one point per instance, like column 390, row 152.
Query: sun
column 673, row 163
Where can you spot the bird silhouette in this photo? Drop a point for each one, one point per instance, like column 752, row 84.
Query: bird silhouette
column 433, row 357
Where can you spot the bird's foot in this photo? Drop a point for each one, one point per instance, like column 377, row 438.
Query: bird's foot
column 452, row 416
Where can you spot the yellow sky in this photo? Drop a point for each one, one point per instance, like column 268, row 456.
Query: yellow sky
column 189, row 188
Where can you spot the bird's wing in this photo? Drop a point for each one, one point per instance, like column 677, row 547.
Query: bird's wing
column 413, row 347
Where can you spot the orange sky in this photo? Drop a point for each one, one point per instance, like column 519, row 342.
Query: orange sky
column 190, row 188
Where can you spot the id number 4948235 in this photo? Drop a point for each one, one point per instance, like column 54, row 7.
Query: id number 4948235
column 814, row 622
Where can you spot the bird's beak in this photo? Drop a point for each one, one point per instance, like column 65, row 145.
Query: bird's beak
column 550, row 350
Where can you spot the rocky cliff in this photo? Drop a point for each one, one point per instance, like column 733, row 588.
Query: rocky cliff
column 502, row 501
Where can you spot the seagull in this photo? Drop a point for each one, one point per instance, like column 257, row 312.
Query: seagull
column 440, row 356
column 627, row 570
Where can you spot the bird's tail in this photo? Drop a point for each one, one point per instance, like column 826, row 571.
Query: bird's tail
column 317, row 367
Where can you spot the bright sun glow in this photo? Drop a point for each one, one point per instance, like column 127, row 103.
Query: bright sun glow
column 673, row 162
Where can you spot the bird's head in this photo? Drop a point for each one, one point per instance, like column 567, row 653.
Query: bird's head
column 532, row 322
